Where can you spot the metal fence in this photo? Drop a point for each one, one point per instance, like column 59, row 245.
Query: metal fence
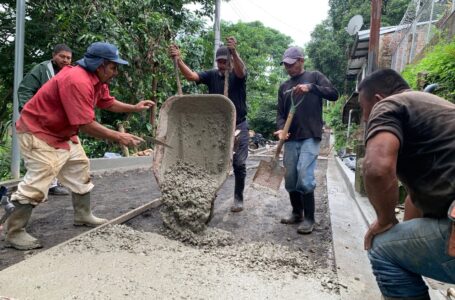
column 418, row 26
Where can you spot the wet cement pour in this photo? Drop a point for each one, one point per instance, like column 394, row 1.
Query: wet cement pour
column 188, row 193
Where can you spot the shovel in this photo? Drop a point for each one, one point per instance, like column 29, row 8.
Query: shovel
column 270, row 173
column 156, row 141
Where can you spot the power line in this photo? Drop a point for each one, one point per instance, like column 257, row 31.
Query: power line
column 236, row 10
column 277, row 19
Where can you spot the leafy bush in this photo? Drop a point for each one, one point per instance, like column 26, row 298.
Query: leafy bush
column 264, row 119
column 439, row 63
column 5, row 159
column 333, row 118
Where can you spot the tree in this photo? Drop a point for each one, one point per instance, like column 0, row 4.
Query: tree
column 142, row 29
column 329, row 45
column 326, row 55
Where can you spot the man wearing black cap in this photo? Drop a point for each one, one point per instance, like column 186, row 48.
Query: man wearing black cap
column 48, row 128
column 305, row 90
column 214, row 79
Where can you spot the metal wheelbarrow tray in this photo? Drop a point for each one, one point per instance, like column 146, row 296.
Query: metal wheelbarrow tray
column 200, row 130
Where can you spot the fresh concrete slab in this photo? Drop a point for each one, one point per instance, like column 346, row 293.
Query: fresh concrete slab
column 349, row 227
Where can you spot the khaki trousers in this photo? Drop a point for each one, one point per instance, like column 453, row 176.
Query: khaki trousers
column 44, row 163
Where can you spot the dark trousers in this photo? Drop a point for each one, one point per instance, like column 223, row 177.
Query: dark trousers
column 239, row 159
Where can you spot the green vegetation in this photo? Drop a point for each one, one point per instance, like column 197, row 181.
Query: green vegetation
column 143, row 30
column 330, row 43
column 333, row 118
column 439, row 63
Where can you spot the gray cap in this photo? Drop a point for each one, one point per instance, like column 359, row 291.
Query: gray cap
column 291, row 55
column 221, row 53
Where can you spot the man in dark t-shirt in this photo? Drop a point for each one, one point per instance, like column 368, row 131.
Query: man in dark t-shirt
column 301, row 148
column 410, row 136
column 214, row 80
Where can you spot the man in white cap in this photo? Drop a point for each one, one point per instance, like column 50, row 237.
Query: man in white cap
column 48, row 128
column 305, row 90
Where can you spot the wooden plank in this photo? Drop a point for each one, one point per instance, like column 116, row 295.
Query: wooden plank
column 119, row 220
column 133, row 213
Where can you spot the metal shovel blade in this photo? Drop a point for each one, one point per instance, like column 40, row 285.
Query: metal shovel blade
column 269, row 175
column 156, row 141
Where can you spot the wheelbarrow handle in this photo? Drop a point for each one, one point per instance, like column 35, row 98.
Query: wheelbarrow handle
column 226, row 74
column 177, row 77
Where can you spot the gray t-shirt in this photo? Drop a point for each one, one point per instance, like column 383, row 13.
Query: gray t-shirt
column 425, row 126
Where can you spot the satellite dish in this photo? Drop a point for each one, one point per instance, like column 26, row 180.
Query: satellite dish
column 354, row 24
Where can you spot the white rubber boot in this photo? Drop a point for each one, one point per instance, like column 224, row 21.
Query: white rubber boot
column 83, row 213
column 16, row 236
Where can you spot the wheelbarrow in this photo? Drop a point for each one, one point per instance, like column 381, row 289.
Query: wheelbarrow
column 200, row 130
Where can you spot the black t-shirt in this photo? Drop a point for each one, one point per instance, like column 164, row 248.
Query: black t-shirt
column 307, row 122
column 236, row 91
column 425, row 127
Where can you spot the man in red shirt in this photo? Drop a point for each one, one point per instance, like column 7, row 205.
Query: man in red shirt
column 48, row 128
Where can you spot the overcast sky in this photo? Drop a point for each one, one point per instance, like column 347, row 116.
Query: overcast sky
column 295, row 18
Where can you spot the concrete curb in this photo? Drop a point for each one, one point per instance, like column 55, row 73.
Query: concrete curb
column 104, row 165
column 367, row 211
column 120, row 164
column 348, row 229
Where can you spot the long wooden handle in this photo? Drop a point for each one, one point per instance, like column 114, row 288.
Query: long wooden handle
column 284, row 133
column 226, row 74
column 176, row 69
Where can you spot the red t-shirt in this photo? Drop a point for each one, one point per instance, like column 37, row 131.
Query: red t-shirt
column 62, row 104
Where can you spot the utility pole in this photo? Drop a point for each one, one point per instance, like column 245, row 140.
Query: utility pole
column 373, row 65
column 18, row 74
column 375, row 27
column 216, row 29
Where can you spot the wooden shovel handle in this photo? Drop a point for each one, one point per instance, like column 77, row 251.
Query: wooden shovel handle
column 176, row 70
column 284, row 133
column 226, row 74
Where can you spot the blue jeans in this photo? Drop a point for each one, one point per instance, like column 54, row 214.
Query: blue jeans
column 300, row 162
column 408, row 251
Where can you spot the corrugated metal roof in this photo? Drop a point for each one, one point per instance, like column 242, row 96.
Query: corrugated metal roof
column 359, row 50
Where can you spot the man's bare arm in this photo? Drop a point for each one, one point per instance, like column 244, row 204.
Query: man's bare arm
column 189, row 74
column 381, row 183
column 97, row 130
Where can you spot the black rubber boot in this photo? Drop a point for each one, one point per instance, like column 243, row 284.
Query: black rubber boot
column 58, row 191
column 240, row 175
column 297, row 209
column 308, row 213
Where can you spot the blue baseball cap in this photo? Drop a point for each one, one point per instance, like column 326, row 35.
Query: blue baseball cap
column 97, row 53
